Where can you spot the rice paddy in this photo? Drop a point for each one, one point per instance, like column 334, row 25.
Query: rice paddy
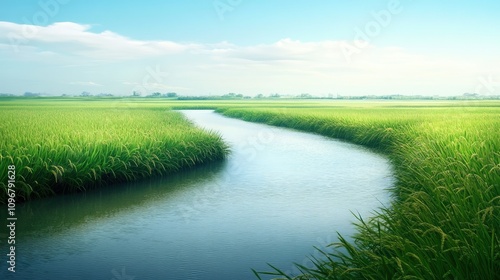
column 63, row 148
column 445, row 219
column 444, row 222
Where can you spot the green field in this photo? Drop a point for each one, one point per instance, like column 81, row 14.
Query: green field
column 67, row 147
column 444, row 222
column 445, row 219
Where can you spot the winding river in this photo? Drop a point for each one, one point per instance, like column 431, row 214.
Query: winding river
column 280, row 193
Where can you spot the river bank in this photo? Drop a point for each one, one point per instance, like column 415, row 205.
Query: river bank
column 444, row 221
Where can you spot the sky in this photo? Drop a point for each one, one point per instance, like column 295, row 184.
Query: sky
column 250, row 47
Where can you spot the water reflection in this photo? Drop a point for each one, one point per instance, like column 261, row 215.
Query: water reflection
column 63, row 212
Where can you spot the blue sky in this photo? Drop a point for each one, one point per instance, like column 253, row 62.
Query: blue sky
column 204, row 47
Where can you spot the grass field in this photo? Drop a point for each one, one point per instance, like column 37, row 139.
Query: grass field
column 444, row 222
column 66, row 147
column 445, row 219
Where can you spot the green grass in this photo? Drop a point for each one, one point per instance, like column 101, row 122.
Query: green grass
column 67, row 147
column 444, row 222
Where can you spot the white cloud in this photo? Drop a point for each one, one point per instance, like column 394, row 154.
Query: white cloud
column 282, row 50
column 286, row 66
column 78, row 40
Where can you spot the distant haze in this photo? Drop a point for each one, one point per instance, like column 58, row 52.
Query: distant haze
column 250, row 47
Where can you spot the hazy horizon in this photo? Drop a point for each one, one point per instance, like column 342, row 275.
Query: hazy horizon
column 208, row 47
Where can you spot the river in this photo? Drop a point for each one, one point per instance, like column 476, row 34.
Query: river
column 279, row 193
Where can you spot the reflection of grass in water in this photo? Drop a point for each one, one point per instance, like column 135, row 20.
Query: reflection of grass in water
column 445, row 219
column 61, row 149
column 64, row 212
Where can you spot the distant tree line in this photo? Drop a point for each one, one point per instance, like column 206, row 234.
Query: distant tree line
column 239, row 96
column 31, row 94
column 159, row 94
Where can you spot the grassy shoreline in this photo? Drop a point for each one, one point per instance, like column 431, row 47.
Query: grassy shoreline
column 445, row 219
column 66, row 149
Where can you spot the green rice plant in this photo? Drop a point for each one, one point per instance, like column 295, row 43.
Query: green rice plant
column 65, row 149
column 444, row 221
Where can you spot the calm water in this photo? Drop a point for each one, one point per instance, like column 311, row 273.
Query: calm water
column 280, row 193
